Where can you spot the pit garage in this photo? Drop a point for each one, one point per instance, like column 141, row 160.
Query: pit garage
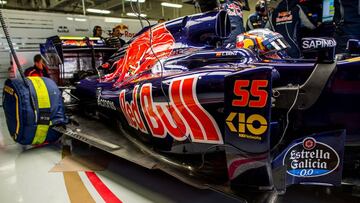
column 180, row 101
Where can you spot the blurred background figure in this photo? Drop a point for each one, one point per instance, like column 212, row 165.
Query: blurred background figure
column 115, row 39
column 39, row 68
column 234, row 9
column 97, row 32
column 287, row 19
column 207, row 5
column 161, row 20
column 259, row 18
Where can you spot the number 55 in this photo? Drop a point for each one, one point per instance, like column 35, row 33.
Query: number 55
column 241, row 90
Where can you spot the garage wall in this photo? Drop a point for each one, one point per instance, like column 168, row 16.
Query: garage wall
column 28, row 29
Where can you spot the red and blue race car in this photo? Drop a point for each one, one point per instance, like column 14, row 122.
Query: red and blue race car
column 218, row 117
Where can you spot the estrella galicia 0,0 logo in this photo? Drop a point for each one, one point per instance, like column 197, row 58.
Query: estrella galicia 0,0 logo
column 310, row 158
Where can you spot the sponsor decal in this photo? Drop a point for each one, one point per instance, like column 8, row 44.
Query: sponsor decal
column 183, row 50
column 234, row 9
column 316, row 43
column 65, row 131
column 63, row 29
column 106, row 103
column 8, row 90
column 131, row 110
column 182, row 117
column 256, row 125
column 227, row 53
column 81, row 30
column 311, row 158
column 284, row 18
column 250, row 94
column 129, row 34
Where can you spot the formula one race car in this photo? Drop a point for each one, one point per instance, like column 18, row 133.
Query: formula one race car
column 173, row 99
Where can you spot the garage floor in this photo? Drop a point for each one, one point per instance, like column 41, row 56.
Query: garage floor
column 41, row 175
column 83, row 174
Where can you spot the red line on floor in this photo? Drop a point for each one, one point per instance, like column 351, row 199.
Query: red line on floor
column 102, row 189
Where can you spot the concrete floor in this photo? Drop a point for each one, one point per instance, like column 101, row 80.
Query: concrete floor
column 26, row 176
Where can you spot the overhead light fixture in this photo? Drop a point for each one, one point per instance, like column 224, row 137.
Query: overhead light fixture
column 140, row 1
column 113, row 20
column 3, row 2
column 69, row 18
column 93, row 10
column 166, row 4
column 80, row 19
column 136, row 15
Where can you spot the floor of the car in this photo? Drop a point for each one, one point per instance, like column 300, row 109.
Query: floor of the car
column 95, row 133
column 115, row 141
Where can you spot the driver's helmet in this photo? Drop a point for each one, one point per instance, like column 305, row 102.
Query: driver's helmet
column 266, row 43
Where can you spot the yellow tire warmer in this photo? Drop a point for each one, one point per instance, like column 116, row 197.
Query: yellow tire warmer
column 26, row 124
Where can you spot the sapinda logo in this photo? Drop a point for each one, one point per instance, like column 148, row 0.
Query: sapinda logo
column 316, row 43
column 284, row 17
column 182, row 118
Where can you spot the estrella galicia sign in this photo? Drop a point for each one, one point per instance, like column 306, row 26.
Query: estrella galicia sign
column 310, row 158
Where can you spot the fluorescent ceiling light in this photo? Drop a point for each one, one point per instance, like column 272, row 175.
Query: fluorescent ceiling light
column 69, row 18
column 135, row 14
column 3, row 2
column 166, row 4
column 140, row 1
column 93, row 10
column 80, row 19
column 113, row 20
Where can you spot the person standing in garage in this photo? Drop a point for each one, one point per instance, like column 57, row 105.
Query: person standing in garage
column 347, row 20
column 234, row 9
column 39, row 68
column 287, row 19
column 115, row 39
column 259, row 18
column 97, row 31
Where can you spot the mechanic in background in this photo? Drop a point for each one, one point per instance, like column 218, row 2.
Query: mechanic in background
column 207, row 5
column 39, row 68
column 287, row 19
column 259, row 18
column 234, row 9
column 115, row 39
column 347, row 20
column 97, row 32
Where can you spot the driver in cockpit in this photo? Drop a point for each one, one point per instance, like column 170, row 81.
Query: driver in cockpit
column 265, row 43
